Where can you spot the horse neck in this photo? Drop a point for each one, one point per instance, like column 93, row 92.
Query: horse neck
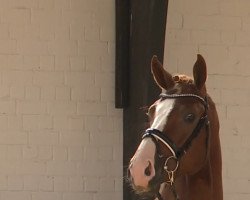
column 215, row 153
column 208, row 180
column 206, row 184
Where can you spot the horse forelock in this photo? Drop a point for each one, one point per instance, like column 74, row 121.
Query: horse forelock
column 185, row 84
column 181, row 78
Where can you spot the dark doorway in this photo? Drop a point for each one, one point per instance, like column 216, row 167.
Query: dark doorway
column 145, row 21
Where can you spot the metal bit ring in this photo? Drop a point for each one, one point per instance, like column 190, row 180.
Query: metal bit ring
column 166, row 164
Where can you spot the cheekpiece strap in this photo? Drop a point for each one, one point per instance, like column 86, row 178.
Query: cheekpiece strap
column 159, row 135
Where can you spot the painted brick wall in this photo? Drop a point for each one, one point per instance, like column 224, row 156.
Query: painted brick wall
column 219, row 30
column 60, row 135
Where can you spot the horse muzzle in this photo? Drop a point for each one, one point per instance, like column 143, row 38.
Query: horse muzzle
column 141, row 168
column 140, row 173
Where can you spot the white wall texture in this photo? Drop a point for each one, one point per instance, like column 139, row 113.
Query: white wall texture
column 220, row 31
column 60, row 135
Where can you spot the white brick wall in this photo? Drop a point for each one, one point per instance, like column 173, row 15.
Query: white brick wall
column 60, row 135
column 219, row 30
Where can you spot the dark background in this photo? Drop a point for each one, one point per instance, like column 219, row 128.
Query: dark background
column 140, row 34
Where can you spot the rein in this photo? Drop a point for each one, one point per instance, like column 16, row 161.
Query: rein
column 178, row 152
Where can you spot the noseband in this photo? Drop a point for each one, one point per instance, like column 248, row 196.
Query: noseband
column 178, row 152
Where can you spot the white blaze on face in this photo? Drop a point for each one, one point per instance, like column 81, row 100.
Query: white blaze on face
column 162, row 111
column 146, row 150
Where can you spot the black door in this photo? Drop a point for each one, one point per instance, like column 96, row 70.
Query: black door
column 135, row 89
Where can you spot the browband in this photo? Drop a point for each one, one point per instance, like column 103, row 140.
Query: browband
column 174, row 96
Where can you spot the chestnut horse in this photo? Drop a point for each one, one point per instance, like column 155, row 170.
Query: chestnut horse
column 179, row 156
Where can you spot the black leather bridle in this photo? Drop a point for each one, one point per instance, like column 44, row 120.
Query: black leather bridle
column 178, row 152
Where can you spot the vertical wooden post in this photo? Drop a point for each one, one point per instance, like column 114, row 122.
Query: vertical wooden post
column 122, row 53
column 146, row 38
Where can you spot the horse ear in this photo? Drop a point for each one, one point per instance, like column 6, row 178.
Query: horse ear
column 200, row 72
column 161, row 76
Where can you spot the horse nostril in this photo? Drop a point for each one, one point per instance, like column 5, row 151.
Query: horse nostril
column 148, row 169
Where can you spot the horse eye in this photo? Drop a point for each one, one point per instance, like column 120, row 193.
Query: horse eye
column 190, row 117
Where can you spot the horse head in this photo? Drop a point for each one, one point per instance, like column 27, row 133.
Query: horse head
column 177, row 140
